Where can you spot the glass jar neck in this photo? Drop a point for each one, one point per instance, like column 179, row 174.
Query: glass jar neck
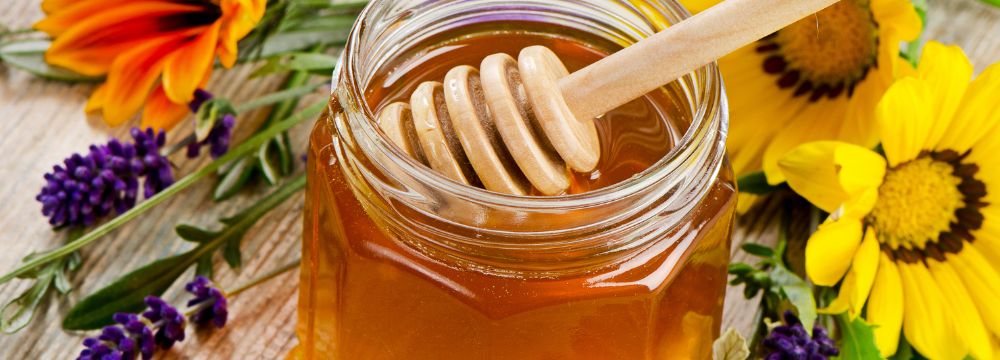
column 512, row 235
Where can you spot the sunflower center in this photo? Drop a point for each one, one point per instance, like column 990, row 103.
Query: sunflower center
column 826, row 54
column 917, row 201
column 928, row 206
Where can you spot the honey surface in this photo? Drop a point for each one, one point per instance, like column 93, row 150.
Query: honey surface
column 367, row 295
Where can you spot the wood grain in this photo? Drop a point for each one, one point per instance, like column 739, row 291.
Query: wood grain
column 41, row 122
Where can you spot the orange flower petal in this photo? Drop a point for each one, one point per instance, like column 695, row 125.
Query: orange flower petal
column 238, row 18
column 96, row 101
column 180, row 73
column 51, row 6
column 132, row 77
column 162, row 113
column 91, row 45
column 62, row 16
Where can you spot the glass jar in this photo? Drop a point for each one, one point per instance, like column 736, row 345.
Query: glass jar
column 402, row 263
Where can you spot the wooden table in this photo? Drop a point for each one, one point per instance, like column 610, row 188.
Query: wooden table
column 41, row 122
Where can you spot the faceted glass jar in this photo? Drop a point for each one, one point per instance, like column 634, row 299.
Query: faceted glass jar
column 402, row 263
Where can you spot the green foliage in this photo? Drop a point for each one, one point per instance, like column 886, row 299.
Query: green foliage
column 314, row 63
column 29, row 55
column 857, row 340
column 18, row 312
column 756, row 183
column 127, row 293
column 296, row 25
column 208, row 114
column 275, row 158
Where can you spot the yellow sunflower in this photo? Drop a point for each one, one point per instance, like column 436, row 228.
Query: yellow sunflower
column 155, row 53
column 817, row 79
column 914, row 234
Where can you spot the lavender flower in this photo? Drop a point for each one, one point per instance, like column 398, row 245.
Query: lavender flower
column 219, row 137
column 200, row 97
column 87, row 187
column 130, row 338
column 161, row 325
column 170, row 321
column 791, row 342
column 211, row 301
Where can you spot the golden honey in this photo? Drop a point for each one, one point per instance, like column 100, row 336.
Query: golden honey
column 398, row 263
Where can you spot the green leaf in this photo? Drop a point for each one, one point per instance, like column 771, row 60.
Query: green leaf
column 204, row 267
column 740, row 268
column 730, row 346
column 73, row 261
column 857, row 340
column 269, row 161
column 16, row 314
column 29, row 55
column 61, row 282
column 755, row 183
column 993, row 2
column 231, row 252
column 758, row 249
column 310, row 62
column 274, row 98
column 194, row 234
column 798, row 292
column 127, row 293
column 234, row 180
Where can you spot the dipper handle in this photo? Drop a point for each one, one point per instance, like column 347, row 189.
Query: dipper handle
column 678, row 50
column 514, row 125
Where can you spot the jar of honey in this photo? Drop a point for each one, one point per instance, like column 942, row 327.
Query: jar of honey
column 401, row 263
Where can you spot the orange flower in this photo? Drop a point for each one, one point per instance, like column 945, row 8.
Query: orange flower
column 153, row 52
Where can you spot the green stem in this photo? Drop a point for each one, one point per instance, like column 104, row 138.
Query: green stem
column 262, row 279
column 16, row 32
column 246, row 147
column 277, row 97
column 256, row 212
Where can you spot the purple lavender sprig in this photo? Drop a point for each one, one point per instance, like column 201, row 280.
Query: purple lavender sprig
column 791, row 342
column 209, row 301
column 159, row 327
column 88, row 187
column 220, row 135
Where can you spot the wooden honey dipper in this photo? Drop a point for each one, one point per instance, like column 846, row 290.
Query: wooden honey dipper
column 514, row 124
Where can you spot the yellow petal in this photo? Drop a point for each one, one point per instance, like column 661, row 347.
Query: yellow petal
column 898, row 17
column 948, row 72
column 830, row 174
column 697, row 6
column 185, row 68
column 904, row 117
column 978, row 114
column 982, row 282
column 858, row 282
column 885, row 306
column 969, row 324
column 864, row 267
column 927, row 322
column 818, row 121
column 988, row 238
column 830, row 250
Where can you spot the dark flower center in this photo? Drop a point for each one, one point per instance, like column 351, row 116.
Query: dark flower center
column 825, row 55
column 929, row 206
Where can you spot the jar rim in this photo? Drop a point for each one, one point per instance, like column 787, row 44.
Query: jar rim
column 704, row 126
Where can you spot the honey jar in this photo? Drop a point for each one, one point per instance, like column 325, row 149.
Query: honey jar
column 400, row 262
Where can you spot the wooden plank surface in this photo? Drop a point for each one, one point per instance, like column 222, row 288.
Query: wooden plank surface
column 41, row 122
